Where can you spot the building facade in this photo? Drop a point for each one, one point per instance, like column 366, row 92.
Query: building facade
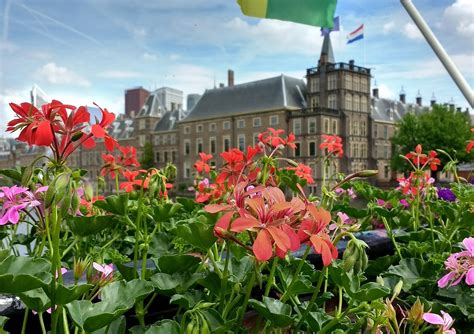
column 134, row 100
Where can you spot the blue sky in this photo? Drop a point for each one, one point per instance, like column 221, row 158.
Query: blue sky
column 92, row 50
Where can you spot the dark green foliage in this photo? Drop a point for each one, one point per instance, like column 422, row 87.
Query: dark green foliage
column 439, row 129
column 147, row 160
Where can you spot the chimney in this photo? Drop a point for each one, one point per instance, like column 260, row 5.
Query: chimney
column 451, row 104
column 402, row 96
column 375, row 92
column 221, row 85
column 351, row 64
column 230, row 78
column 418, row 99
column 433, row 100
column 458, row 109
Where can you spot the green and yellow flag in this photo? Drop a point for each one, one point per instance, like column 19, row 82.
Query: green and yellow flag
column 319, row 13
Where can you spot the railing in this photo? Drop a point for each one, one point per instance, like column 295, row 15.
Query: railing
column 314, row 111
column 339, row 66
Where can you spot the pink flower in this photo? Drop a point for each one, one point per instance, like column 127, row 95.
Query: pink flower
column 460, row 265
column 105, row 269
column 14, row 200
column 344, row 218
column 380, row 202
column 351, row 193
column 446, row 321
column 404, row 202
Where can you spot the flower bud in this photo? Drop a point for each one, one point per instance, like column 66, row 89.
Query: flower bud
column 415, row 314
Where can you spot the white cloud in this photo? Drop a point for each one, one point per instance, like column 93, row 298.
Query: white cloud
column 411, row 31
column 388, row 27
column 120, row 74
column 279, row 37
column 59, row 75
column 460, row 15
column 174, row 56
column 6, row 113
column 150, row 56
column 386, row 92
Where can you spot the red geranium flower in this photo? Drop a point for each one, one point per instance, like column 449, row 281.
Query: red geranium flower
column 470, row 145
column 100, row 130
column 304, row 172
column 333, row 144
column 202, row 165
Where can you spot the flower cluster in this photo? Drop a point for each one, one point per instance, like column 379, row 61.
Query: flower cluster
column 415, row 184
column 460, row 266
column 61, row 127
column 420, row 160
column 333, row 145
column 113, row 165
column 272, row 138
column 445, row 321
column 279, row 225
column 15, row 199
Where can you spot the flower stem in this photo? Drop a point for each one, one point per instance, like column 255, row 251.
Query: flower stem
column 313, row 298
column 390, row 234
column 287, row 292
column 225, row 275
column 43, row 329
column 247, row 297
column 25, row 320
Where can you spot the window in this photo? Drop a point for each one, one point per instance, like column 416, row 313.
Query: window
column 332, row 101
column 356, row 83
column 199, row 145
column 157, row 140
column 364, row 85
column 241, row 123
column 241, row 142
column 385, row 132
column 212, row 127
column 157, row 156
column 274, row 120
column 257, row 121
column 141, row 140
column 349, row 101
column 141, row 124
column 297, row 126
column 356, row 103
column 199, row 128
column 187, row 147
column 226, row 143
column 173, row 156
column 332, row 82
column 312, row 125
column 212, row 145
column 363, row 128
column 376, row 130
column 187, row 130
column 312, row 148
column 298, row 150
column 314, row 84
column 356, row 128
column 166, row 156
column 386, row 172
column 326, row 125
column 173, row 139
column 255, row 139
column 363, row 104
column 334, row 126
column 363, row 149
column 226, row 125
column 186, row 170
column 315, row 102
column 348, row 81
column 355, row 150
column 385, row 152
column 165, row 140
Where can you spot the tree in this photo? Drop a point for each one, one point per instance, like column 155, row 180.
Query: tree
column 440, row 128
column 147, row 160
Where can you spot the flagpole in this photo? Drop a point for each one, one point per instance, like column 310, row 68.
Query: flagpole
column 439, row 51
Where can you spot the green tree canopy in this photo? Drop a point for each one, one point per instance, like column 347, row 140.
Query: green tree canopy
column 147, row 160
column 440, row 128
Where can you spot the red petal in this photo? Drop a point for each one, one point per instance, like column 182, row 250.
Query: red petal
column 89, row 143
column 223, row 222
column 43, row 135
column 281, row 238
column 262, row 247
column 294, row 240
column 243, row 224
column 214, row 208
column 81, row 115
column 98, row 131
column 110, row 143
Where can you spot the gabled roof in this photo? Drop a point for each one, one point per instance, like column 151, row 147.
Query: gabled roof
column 282, row 92
column 153, row 106
column 386, row 110
column 168, row 122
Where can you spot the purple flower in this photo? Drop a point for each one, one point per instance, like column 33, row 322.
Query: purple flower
column 446, row 321
column 405, row 203
column 351, row 193
column 446, row 194
column 460, row 265
column 344, row 218
column 14, row 200
column 380, row 202
column 339, row 191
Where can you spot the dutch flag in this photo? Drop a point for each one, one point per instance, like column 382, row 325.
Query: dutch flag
column 356, row 34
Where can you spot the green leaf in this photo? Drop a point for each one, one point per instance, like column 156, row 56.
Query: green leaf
column 188, row 204
column 21, row 273
column 274, row 310
column 3, row 321
column 188, row 299
column 66, row 294
column 165, row 211
column 198, row 234
column 84, row 226
column 127, row 272
column 13, row 174
column 161, row 327
column 177, row 263
column 117, row 204
column 215, row 321
column 118, row 326
column 35, row 299
column 414, row 271
column 316, row 320
column 117, row 298
column 178, row 282
column 370, row 291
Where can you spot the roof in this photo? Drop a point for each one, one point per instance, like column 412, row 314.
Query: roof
column 386, row 110
column 282, row 92
column 327, row 49
column 168, row 122
column 153, row 106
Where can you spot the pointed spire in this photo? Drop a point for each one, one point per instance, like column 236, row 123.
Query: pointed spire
column 327, row 55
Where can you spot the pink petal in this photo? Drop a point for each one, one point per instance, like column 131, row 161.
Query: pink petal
column 448, row 320
column 470, row 277
column 469, row 244
column 444, row 281
column 98, row 267
column 433, row 318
